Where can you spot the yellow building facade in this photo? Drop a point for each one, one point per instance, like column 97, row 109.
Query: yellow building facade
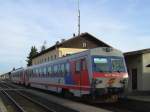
column 54, row 54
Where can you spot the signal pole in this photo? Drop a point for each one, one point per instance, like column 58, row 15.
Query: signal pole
column 78, row 17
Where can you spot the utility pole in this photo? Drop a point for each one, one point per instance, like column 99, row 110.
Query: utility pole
column 78, row 17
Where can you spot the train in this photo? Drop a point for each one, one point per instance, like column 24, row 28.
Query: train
column 98, row 73
column 5, row 76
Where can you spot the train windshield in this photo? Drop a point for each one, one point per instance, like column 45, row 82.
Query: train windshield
column 117, row 65
column 101, row 64
column 108, row 64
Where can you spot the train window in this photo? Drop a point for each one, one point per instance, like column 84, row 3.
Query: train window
column 83, row 64
column 55, row 68
column 62, row 68
column 78, row 66
column 30, row 73
column 45, row 71
column 36, row 72
column 40, row 72
column 58, row 69
column 117, row 65
column 101, row 64
column 49, row 70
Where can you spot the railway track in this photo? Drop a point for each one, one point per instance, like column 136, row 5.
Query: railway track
column 22, row 102
column 121, row 106
column 54, row 107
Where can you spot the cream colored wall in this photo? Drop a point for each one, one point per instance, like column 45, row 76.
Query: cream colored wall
column 146, row 71
column 59, row 52
column 64, row 51
column 132, row 63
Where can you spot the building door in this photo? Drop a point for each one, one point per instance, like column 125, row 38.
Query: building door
column 134, row 79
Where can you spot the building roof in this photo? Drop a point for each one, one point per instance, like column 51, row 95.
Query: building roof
column 143, row 51
column 83, row 35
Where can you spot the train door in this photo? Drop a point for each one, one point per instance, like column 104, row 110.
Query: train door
column 81, row 77
column 22, row 77
column 26, row 77
column 84, row 73
column 68, row 76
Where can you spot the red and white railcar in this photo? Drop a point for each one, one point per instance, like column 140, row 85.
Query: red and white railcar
column 94, row 72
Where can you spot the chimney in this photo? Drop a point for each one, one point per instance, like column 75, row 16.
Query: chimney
column 62, row 40
column 57, row 42
column 74, row 34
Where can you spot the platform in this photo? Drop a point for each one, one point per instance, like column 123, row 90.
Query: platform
column 2, row 107
column 140, row 98
column 80, row 107
column 139, row 95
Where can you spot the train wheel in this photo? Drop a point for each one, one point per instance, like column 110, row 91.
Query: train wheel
column 67, row 94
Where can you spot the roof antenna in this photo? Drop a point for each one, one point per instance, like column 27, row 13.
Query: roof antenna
column 78, row 18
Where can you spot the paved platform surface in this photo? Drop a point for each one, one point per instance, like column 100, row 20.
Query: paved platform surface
column 140, row 98
column 139, row 95
column 2, row 107
column 70, row 104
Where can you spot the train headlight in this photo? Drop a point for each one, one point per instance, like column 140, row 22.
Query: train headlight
column 124, row 81
column 98, row 81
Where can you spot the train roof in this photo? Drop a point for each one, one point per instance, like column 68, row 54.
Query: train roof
column 17, row 70
column 105, row 51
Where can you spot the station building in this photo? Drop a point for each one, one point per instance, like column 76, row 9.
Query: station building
column 138, row 65
column 67, row 47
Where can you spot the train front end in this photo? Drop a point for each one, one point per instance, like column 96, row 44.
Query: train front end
column 109, row 72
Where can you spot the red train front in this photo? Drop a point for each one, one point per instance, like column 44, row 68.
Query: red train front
column 109, row 76
column 104, row 72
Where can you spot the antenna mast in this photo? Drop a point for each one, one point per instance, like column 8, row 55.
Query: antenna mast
column 78, row 17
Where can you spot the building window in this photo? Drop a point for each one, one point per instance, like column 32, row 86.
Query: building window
column 45, row 59
column 55, row 56
column 51, row 57
column 48, row 58
column 84, row 44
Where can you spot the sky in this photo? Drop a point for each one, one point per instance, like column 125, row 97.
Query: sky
column 124, row 24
